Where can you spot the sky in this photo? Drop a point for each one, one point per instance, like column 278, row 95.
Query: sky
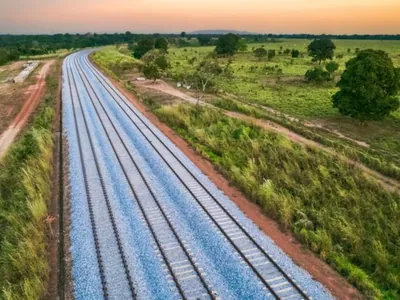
column 170, row 16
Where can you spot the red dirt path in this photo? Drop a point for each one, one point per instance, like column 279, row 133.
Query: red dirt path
column 318, row 269
column 37, row 91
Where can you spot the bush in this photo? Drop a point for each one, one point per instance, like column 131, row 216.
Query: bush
column 317, row 75
column 260, row 52
column 295, row 53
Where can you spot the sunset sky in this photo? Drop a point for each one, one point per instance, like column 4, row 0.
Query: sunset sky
column 264, row 16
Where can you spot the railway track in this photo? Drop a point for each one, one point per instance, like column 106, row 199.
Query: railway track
column 278, row 284
column 88, row 154
column 186, row 277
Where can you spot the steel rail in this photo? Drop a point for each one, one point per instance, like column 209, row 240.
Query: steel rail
column 108, row 204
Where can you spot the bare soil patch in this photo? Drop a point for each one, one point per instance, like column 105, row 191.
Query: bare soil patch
column 320, row 271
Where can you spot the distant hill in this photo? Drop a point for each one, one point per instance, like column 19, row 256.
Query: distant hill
column 218, row 31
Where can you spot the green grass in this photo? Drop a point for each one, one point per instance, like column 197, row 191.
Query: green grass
column 332, row 208
column 258, row 81
column 382, row 161
column 25, row 186
column 113, row 61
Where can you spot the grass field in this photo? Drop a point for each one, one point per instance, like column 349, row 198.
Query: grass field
column 25, row 187
column 280, row 84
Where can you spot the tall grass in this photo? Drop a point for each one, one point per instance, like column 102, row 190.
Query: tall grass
column 383, row 162
column 25, row 186
column 113, row 61
column 338, row 213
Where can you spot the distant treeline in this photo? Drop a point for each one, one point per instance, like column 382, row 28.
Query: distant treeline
column 13, row 46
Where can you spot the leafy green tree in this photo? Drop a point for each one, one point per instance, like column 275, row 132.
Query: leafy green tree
column 155, row 64
column 183, row 34
column 260, row 53
column 143, row 46
column 295, row 53
column 332, row 67
column 317, row 75
column 227, row 45
column 204, row 75
column 204, row 40
column 271, row 54
column 151, row 71
column 321, row 49
column 161, row 44
column 287, row 51
column 368, row 87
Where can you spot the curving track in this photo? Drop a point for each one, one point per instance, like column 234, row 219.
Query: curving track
column 146, row 223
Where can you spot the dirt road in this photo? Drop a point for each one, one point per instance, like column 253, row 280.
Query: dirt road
column 36, row 92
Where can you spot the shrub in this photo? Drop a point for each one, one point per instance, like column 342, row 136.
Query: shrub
column 295, row 53
column 317, row 75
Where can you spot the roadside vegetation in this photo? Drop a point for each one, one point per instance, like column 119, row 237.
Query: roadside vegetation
column 25, row 187
column 331, row 206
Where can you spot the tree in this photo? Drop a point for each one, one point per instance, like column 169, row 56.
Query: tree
column 204, row 40
column 295, row 53
column 162, row 44
column 271, row 54
column 204, row 75
column 143, row 46
column 317, row 75
column 332, row 67
column 260, row 53
column 368, row 87
column 155, row 64
column 242, row 46
column 321, row 49
column 287, row 51
column 227, row 45
column 183, row 34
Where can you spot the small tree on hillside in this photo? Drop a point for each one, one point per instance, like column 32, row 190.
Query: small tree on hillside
column 155, row 65
column 227, row 45
column 368, row 87
column 204, row 75
column 321, row 49
column 143, row 46
column 260, row 53
column 161, row 44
